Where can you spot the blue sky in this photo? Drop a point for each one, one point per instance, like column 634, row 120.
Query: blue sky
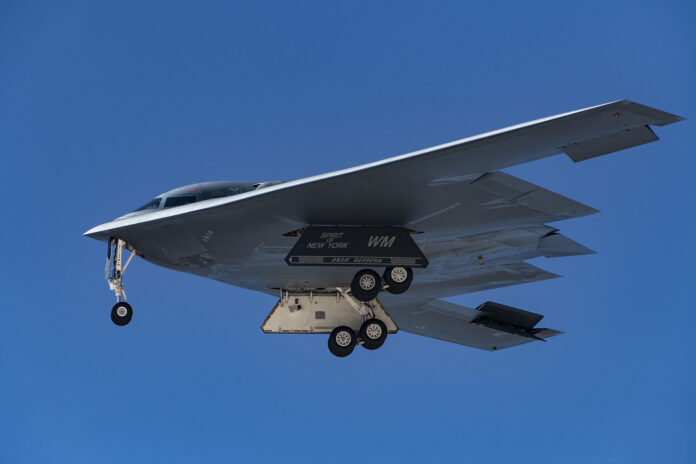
column 103, row 106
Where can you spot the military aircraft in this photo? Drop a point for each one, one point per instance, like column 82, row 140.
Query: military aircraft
column 418, row 227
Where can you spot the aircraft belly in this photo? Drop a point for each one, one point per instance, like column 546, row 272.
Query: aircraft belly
column 479, row 262
column 251, row 254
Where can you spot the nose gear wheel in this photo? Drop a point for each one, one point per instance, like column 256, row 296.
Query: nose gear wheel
column 121, row 313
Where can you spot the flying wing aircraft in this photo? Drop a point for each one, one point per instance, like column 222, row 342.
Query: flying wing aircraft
column 363, row 252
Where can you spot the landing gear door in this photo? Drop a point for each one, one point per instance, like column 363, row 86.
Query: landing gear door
column 356, row 246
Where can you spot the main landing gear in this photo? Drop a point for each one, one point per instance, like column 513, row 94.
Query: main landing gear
column 121, row 312
column 343, row 340
column 372, row 332
column 364, row 288
column 367, row 283
column 346, row 321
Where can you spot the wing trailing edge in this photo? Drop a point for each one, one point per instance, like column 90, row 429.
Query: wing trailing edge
column 491, row 326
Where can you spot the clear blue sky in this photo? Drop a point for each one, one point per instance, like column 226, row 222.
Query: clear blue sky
column 103, row 106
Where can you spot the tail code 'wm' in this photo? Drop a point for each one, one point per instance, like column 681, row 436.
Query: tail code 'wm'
column 384, row 241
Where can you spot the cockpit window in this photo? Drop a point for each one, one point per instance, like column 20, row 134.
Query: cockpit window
column 217, row 193
column 154, row 204
column 200, row 192
column 221, row 192
column 179, row 200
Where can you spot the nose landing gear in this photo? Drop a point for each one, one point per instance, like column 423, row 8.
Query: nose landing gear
column 121, row 312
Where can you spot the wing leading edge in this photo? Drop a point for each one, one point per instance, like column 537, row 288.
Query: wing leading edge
column 581, row 134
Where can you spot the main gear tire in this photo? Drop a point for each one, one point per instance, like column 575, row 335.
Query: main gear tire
column 342, row 341
column 373, row 333
column 366, row 285
column 398, row 279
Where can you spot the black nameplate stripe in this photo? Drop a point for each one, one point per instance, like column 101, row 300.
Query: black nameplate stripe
column 356, row 246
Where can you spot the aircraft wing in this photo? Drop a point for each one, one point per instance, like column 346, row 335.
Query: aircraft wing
column 478, row 224
column 490, row 327
column 409, row 188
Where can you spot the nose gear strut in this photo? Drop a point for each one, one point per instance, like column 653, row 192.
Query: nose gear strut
column 122, row 312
